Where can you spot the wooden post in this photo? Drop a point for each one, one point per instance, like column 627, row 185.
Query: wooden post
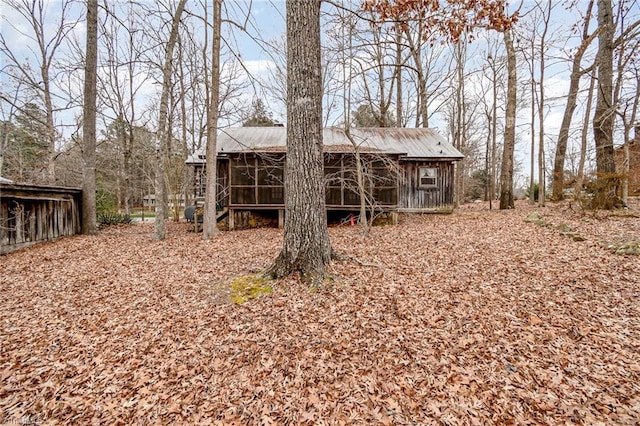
column 280, row 219
column 231, row 219
column 19, row 212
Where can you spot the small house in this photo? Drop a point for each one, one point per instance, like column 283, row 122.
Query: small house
column 404, row 170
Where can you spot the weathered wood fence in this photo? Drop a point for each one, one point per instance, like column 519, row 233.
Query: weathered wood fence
column 30, row 214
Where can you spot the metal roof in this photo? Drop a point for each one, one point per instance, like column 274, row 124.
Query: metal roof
column 408, row 143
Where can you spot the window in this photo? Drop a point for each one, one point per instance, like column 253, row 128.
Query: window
column 427, row 177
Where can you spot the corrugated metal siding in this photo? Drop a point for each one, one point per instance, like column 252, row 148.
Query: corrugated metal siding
column 410, row 143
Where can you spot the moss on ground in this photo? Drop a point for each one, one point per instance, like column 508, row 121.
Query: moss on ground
column 247, row 287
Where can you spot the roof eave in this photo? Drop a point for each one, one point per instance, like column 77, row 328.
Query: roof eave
column 406, row 158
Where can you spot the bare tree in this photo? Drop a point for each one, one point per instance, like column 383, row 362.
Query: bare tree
column 454, row 19
column 542, row 47
column 458, row 121
column 584, row 137
column 574, row 85
column 604, row 116
column 6, row 132
column 34, row 14
column 124, row 48
column 210, row 224
column 164, row 132
column 496, row 64
column 506, row 172
column 89, row 122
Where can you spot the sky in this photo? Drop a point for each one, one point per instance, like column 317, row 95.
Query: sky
column 266, row 23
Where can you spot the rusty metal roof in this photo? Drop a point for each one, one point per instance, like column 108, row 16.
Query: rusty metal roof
column 408, row 143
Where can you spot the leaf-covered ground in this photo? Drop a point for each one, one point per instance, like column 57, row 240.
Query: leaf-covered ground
column 479, row 317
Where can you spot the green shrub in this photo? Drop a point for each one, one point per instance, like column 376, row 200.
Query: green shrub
column 536, row 191
column 109, row 218
column 105, row 202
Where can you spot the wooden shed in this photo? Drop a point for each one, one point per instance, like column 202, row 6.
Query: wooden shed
column 406, row 170
column 30, row 214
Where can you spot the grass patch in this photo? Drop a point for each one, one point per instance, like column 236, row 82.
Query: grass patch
column 146, row 215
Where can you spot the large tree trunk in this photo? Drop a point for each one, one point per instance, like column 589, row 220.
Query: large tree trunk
column 210, row 224
column 89, row 121
column 306, row 247
column 603, row 119
column 574, row 86
column 163, row 132
column 494, row 135
column 506, row 171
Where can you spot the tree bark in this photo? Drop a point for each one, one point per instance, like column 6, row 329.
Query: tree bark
column 506, row 171
column 51, row 128
column 163, row 132
column 604, row 116
column 603, row 119
column 89, row 121
column 306, row 247
column 210, row 224
column 494, row 135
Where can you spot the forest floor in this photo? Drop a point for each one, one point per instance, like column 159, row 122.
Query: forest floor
column 479, row 317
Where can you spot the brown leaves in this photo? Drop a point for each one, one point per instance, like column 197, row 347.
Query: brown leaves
column 451, row 19
column 473, row 318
